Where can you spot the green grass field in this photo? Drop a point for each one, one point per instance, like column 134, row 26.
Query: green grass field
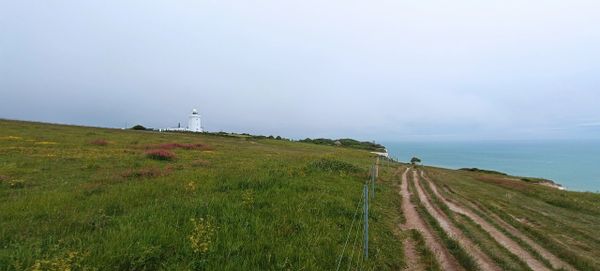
column 90, row 198
column 81, row 198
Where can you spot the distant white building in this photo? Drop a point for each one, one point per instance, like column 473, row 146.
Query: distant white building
column 194, row 124
column 384, row 154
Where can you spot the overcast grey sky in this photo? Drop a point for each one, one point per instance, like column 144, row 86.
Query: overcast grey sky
column 373, row 70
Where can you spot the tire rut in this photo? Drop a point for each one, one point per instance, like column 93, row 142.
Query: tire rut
column 414, row 221
column 501, row 238
column 411, row 256
column 482, row 259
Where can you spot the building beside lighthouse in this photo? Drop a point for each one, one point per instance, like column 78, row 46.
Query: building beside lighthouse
column 194, row 124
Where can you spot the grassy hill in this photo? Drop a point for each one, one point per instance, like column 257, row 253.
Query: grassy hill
column 95, row 198
column 103, row 199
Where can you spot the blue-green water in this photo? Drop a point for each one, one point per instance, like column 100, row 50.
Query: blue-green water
column 573, row 164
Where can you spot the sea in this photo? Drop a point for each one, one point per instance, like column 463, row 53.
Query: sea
column 575, row 164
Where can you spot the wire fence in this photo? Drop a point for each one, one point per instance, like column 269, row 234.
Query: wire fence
column 360, row 248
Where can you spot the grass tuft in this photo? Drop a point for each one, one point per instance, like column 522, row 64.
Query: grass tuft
column 200, row 163
column 143, row 173
column 183, row 146
column 99, row 142
column 16, row 184
column 426, row 255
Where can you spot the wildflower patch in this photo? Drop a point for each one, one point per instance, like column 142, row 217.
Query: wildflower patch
column 71, row 260
column 202, row 235
column 160, row 154
column 248, row 198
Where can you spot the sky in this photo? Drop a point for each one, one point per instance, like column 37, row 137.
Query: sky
column 371, row 70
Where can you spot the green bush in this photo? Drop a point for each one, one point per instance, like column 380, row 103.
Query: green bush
column 138, row 127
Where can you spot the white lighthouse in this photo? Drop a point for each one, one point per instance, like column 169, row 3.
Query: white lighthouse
column 195, row 124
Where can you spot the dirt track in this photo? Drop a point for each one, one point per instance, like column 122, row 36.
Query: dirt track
column 411, row 256
column 501, row 238
column 482, row 259
column 413, row 221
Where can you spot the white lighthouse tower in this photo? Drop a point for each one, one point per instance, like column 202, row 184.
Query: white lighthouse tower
column 195, row 124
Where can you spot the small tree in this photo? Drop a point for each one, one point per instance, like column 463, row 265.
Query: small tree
column 138, row 127
column 415, row 160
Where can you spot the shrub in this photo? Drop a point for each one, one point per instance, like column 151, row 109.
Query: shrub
column 160, row 154
column 138, row 127
column 99, row 142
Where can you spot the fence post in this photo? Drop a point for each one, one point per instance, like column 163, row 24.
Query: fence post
column 366, row 222
column 373, row 179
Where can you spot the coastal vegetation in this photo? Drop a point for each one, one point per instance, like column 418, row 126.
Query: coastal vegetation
column 484, row 171
column 346, row 142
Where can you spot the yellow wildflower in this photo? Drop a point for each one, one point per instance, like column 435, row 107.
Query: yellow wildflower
column 45, row 143
column 248, row 198
column 191, row 186
column 71, row 260
column 202, row 235
column 11, row 138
